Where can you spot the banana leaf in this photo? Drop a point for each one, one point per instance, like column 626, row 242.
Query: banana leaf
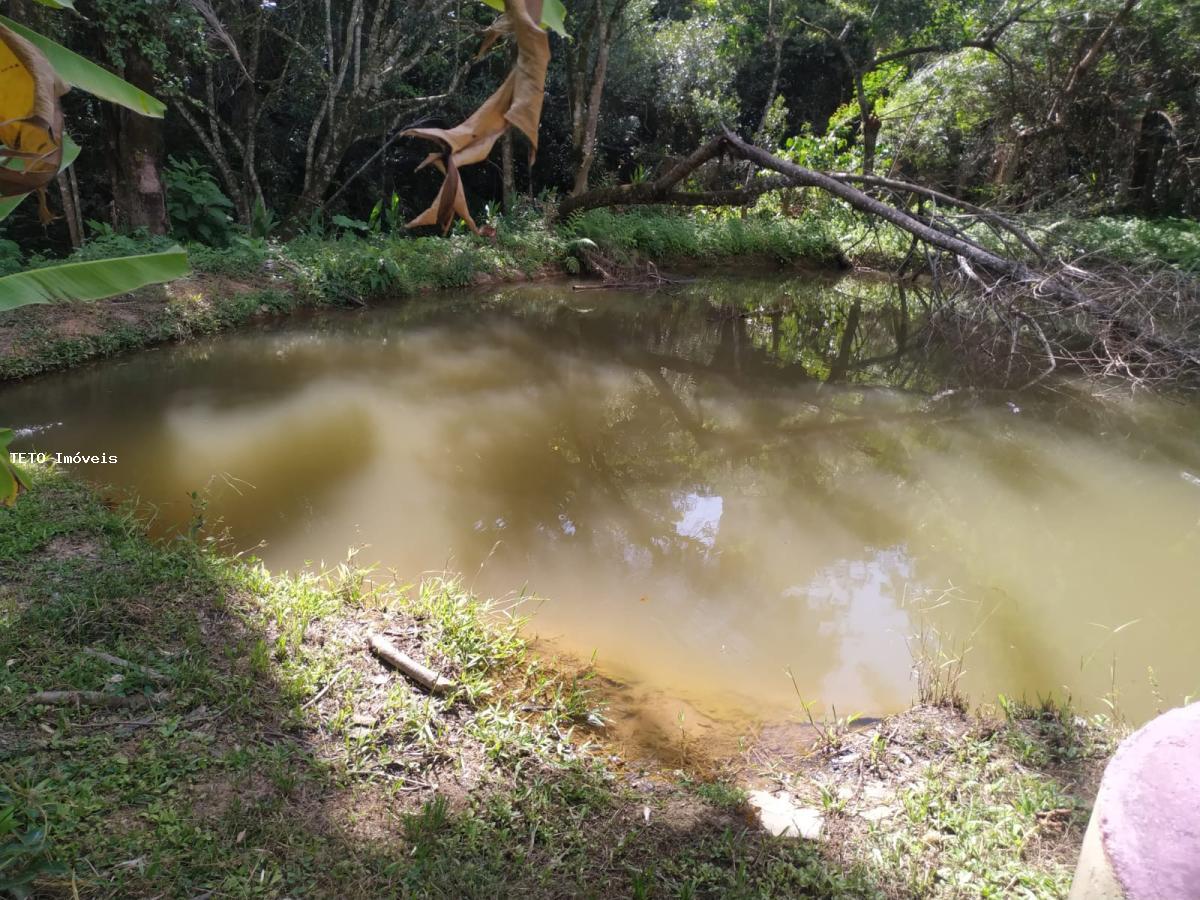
column 93, row 280
column 554, row 14
column 10, row 477
column 79, row 72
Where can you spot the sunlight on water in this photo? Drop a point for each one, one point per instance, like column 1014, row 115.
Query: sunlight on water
column 708, row 486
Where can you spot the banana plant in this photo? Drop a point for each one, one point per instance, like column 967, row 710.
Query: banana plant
column 35, row 73
column 10, row 476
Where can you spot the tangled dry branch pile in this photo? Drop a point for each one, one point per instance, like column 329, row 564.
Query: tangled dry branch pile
column 1148, row 333
column 1009, row 300
column 632, row 274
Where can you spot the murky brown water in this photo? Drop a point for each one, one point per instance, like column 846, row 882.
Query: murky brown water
column 707, row 486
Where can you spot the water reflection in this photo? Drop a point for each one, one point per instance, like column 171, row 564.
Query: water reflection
column 708, row 486
column 700, row 518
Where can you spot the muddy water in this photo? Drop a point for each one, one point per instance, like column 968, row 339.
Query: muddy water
column 707, row 487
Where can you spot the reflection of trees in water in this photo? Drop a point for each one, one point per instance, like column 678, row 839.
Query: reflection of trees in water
column 717, row 392
column 730, row 376
column 580, row 429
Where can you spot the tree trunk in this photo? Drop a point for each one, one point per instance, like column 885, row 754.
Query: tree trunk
column 585, row 84
column 586, row 147
column 508, row 180
column 777, row 43
column 1154, row 133
column 67, row 191
column 135, row 160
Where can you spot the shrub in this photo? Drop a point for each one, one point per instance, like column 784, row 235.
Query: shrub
column 243, row 256
column 197, row 207
column 11, row 258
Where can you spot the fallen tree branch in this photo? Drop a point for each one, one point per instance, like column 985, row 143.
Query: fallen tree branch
column 96, row 698
column 921, row 191
column 397, row 659
column 662, row 189
column 316, row 698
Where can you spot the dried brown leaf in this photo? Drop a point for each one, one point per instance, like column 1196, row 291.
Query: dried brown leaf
column 518, row 101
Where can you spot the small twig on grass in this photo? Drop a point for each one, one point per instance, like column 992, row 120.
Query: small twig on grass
column 316, row 698
column 199, row 714
column 152, row 674
column 394, row 657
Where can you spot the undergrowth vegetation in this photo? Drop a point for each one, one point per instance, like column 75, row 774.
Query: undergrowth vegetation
column 1170, row 242
column 350, row 265
column 707, row 235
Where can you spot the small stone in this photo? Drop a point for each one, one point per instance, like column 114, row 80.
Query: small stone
column 846, row 759
column 782, row 818
column 877, row 814
column 363, row 721
column 875, row 792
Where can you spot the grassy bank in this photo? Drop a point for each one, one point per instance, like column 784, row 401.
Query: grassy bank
column 255, row 279
column 250, row 746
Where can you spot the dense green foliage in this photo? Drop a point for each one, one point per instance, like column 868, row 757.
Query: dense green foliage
column 993, row 99
column 198, row 209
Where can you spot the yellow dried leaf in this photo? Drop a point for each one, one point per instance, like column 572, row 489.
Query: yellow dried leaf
column 31, row 117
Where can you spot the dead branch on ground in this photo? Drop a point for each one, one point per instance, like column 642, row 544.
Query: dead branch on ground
column 397, row 659
column 614, row 275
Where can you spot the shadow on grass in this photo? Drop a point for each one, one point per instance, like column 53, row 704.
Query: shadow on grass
column 282, row 760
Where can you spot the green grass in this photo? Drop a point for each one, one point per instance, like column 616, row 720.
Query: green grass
column 38, row 346
column 1169, row 242
column 287, row 762
column 255, row 277
column 992, row 816
column 651, row 234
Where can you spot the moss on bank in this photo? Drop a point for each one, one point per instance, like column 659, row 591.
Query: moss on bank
column 281, row 759
column 254, row 279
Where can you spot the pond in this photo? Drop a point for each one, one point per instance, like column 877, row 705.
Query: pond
column 705, row 487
